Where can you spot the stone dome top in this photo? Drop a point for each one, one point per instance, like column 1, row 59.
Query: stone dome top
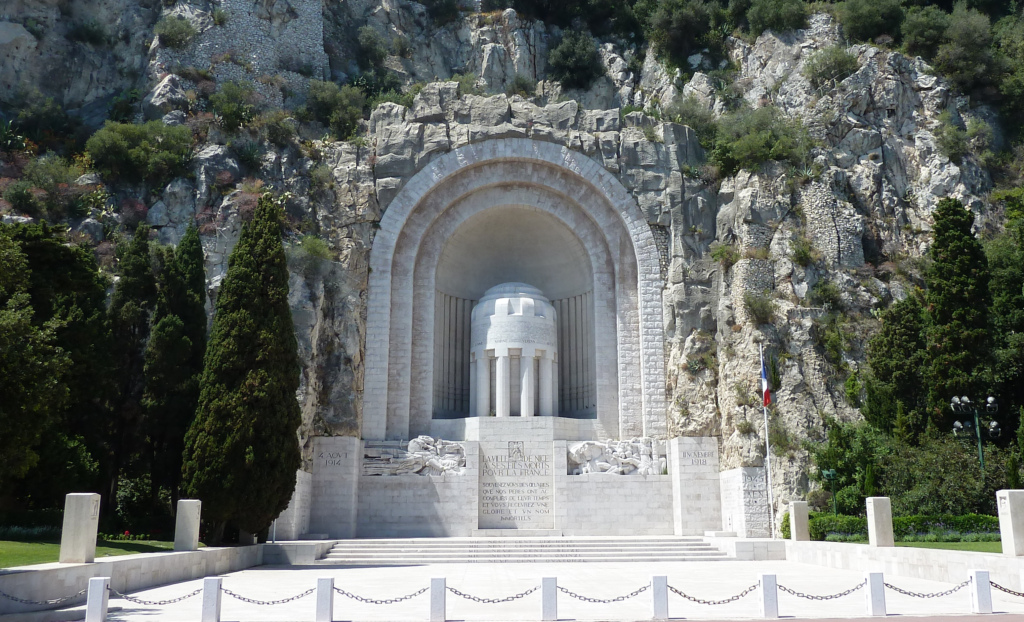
column 513, row 290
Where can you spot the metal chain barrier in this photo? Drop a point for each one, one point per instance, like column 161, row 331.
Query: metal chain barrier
column 383, row 601
column 602, row 601
column 785, row 589
column 253, row 601
column 714, row 602
column 932, row 595
column 52, row 601
column 154, row 603
column 1006, row 589
column 491, row 601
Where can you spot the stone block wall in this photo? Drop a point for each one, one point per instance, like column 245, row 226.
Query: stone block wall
column 294, row 521
column 696, row 494
column 745, row 502
column 337, row 461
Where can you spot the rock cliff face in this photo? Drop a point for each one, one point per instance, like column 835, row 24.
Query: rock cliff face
column 876, row 178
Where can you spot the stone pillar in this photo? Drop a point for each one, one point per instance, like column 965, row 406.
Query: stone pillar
column 1011, row 521
column 554, row 385
column 472, row 384
column 696, row 491
column 483, row 386
column 798, row 519
column 81, row 520
column 97, row 599
column 503, row 387
column 875, row 593
column 547, row 402
column 880, row 522
column 186, row 524
column 981, row 591
column 526, row 386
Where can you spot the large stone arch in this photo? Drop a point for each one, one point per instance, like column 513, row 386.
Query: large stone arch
column 550, row 172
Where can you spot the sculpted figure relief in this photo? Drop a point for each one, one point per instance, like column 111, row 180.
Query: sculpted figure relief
column 637, row 456
column 422, row 456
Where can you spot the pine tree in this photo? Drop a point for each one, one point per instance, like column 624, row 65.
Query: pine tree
column 957, row 302
column 174, row 359
column 896, row 357
column 1006, row 265
column 241, row 452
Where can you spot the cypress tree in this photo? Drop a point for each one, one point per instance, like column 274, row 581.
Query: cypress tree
column 174, row 359
column 896, row 357
column 957, row 302
column 241, row 452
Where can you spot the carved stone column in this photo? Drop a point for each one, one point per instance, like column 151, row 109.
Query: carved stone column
column 526, row 393
column 503, row 387
column 547, row 402
column 482, row 407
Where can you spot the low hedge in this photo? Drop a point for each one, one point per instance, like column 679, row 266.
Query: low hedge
column 822, row 524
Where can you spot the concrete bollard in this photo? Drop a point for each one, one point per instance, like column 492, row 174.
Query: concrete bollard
column 549, row 599
column 981, row 591
column 186, row 525
column 81, row 519
column 875, row 594
column 799, row 530
column 437, row 600
column 769, row 603
column 880, row 522
column 659, row 598
column 325, row 599
column 97, row 598
column 1011, row 521
column 211, row 600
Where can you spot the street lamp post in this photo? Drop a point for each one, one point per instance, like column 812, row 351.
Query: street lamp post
column 830, row 477
column 964, row 406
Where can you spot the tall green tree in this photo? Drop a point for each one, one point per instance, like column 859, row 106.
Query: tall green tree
column 957, row 301
column 174, row 359
column 241, row 452
column 896, row 357
column 1006, row 265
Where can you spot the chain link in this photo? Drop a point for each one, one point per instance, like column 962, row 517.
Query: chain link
column 253, row 601
column 491, row 601
column 384, row 601
column 602, row 601
column 829, row 597
column 714, row 602
column 932, row 595
column 1006, row 589
column 52, row 601
column 154, row 603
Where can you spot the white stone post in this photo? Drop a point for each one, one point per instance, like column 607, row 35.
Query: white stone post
column 549, row 599
column 483, row 386
column 554, row 385
column 799, row 531
column 503, row 387
column 769, row 602
column 659, row 598
column 1011, row 521
column 186, row 524
column 325, row 599
column 526, row 385
column 875, row 593
column 245, row 538
column 96, row 599
column 880, row 522
column 81, row 520
column 981, row 591
column 211, row 600
column 547, row 404
column 437, row 604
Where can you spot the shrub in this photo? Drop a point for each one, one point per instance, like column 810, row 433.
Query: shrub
column 402, row 47
column 863, row 20
column 748, row 138
column 695, row 115
column 220, row 17
column 90, row 32
column 175, row 32
column 574, row 61
column 341, row 108
column 193, row 74
column 745, row 427
column 725, row 254
column 122, row 106
column 679, row 28
column 373, row 48
column 153, row 152
column 248, row 152
column 804, row 253
column 377, row 81
column 827, row 294
column 279, row 129
column 966, row 55
column 830, row 66
column 235, row 104
column 44, row 121
column 321, row 176
column 923, row 28
column 442, row 11
column 761, row 308
column 395, row 97
column 10, row 139
column 951, row 140
column 50, row 172
column 467, row 84
column 776, row 15
column 521, row 85
column 22, row 199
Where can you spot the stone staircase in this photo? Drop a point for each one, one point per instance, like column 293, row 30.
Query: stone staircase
column 520, row 550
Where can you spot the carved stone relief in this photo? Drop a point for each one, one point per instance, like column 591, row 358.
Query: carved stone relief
column 637, row 456
column 422, row 455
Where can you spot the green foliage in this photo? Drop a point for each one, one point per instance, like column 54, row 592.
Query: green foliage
column 10, row 140
column 235, row 104
column 680, row 28
column 761, row 308
column 827, row 294
column 1013, row 479
column 395, row 97
column 951, row 139
column 373, row 48
column 339, row 107
column 241, row 454
column 896, row 357
column 923, row 29
column 966, row 56
column 695, row 115
column 442, row 12
column 831, row 334
column 467, row 84
column 851, row 390
column 22, row 199
column 804, row 253
column 90, row 32
column 175, row 32
column 154, row 152
column 122, row 106
column 915, row 528
column 830, row 66
column 521, row 85
column 574, row 61
column 249, row 153
column 748, row 138
column 823, row 525
column 219, row 16
column 45, row 122
column 776, row 15
column 376, row 81
column 864, row 20
column 745, row 427
column 278, row 127
column 725, row 254
column 402, row 47
column 602, row 17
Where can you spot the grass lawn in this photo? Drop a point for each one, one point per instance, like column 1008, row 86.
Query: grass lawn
column 25, row 553
column 983, row 547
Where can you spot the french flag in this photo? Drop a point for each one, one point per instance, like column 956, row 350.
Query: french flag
column 766, row 387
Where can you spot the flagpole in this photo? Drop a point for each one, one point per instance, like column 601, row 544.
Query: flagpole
column 767, row 456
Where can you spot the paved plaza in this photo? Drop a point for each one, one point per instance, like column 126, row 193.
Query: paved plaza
column 702, row 580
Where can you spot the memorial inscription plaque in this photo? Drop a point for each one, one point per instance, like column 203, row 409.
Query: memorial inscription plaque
column 515, row 486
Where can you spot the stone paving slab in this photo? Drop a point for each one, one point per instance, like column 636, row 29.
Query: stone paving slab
column 704, row 580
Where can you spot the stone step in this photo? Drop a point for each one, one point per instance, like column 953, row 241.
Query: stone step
column 516, row 552
column 399, row 561
column 529, row 545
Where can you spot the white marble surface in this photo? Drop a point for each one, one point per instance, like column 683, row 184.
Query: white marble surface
column 81, row 518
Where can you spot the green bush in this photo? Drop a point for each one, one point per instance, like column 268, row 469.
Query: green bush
column 90, row 32
column 748, row 138
column 829, row 66
column 831, row 335
column 574, row 61
column 442, row 11
column 50, row 172
column 827, row 294
column 153, row 152
column 965, row 56
column 339, row 107
column 761, row 308
column 44, row 121
column 695, row 115
column 373, row 48
column 248, row 152
column 175, row 32
column 395, row 97
column 22, row 199
column 725, row 254
column 278, row 128
column 822, row 525
column 863, row 20
column 321, row 176
column 679, row 28
column 804, row 253
column 220, row 17
column 776, row 15
column 235, row 103
column 923, row 29
column 521, row 85
column 467, row 84
column 376, row 81
column 951, row 140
